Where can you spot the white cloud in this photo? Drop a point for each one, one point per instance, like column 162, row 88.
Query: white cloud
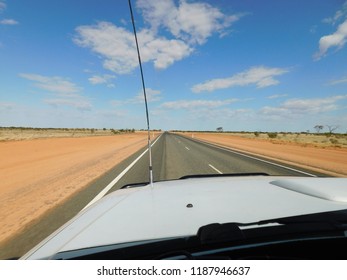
column 313, row 106
column 2, row 6
column 191, row 22
column 338, row 15
column 338, row 39
column 54, row 84
column 340, row 81
column 299, row 107
column 188, row 24
column 193, row 104
column 64, row 92
column 275, row 96
column 79, row 103
column 259, row 76
column 117, row 47
column 6, row 105
column 8, row 22
column 104, row 79
column 152, row 96
column 219, row 115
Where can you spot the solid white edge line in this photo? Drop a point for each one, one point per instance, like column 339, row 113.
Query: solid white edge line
column 215, row 169
column 262, row 160
column 115, row 180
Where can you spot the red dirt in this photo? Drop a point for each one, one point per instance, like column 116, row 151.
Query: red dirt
column 36, row 175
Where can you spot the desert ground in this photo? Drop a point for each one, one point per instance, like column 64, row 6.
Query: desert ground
column 38, row 174
column 43, row 170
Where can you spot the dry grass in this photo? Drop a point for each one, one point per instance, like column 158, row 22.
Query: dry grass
column 14, row 134
column 302, row 139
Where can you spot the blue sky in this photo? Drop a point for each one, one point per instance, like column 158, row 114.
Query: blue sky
column 243, row 65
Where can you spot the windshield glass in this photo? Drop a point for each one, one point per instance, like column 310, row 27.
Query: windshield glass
column 247, row 88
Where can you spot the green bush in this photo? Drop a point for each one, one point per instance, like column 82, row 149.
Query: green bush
column 272, row 135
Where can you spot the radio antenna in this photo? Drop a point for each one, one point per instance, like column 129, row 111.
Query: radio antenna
column 144, row 95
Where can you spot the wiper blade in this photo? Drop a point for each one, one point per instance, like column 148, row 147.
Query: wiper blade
column 142, row 184
column 332, row 217
column 327, row 223
column 224, row 175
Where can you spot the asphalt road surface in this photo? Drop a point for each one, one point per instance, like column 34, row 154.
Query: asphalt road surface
column 174, row 156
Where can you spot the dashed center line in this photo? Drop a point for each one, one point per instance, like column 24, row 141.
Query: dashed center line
column 187, row 148
column 215, row 169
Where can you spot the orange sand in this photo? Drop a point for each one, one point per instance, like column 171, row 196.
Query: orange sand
column 36, row 175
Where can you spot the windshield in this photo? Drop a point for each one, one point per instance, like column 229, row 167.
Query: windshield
column 244, row 88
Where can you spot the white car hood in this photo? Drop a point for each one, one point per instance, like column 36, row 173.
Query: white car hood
column 162, row 211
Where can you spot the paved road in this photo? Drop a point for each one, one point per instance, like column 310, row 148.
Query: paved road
column 174, row 156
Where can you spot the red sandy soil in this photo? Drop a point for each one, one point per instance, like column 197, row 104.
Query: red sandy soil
column 331, row 161
column 36, row 175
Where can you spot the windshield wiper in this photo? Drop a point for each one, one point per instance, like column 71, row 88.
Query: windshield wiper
column 224, row 175
column 142, row 184
column 326, row 223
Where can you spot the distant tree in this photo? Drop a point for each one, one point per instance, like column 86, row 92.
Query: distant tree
column 272, row 134
column 318, row 127
column 332, row 128
column 219, row 129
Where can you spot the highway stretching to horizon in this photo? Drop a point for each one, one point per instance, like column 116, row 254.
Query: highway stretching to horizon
column 174, row 156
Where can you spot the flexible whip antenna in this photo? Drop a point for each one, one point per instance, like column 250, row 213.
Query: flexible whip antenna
column 145, row 96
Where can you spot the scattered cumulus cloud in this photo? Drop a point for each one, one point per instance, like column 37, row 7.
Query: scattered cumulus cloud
column 190, row 22
column 103, row 79
column 54, row 84
column 339, row 81
column 2, row 6
column 185, row 26
column 193, row 104
column 63, row 91
column 275, row 96
column 8, row 22
column 219, row 115
column 78, row 103
column 299, row 107
column 340, row 14
column 117, row 47
column 152, row 96
column 335, row 40
column 260, row 76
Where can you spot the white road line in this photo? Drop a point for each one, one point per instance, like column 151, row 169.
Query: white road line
column 258, row 159
column 115, row 180
column 215, row 169
column 187, row 148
